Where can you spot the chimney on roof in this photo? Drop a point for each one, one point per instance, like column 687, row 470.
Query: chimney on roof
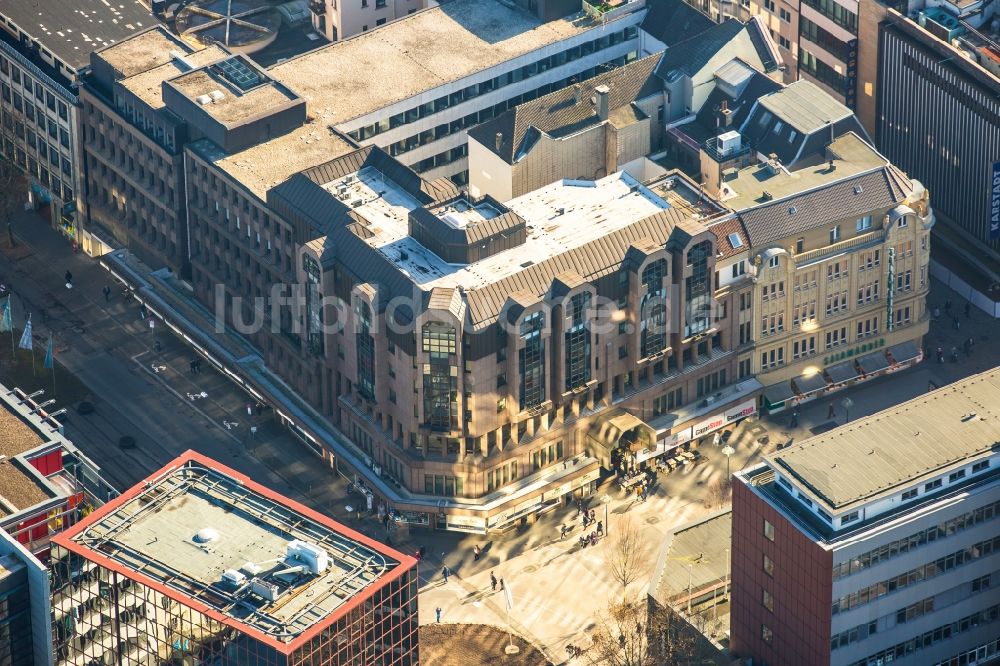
column 601, row 95
column 499, row 140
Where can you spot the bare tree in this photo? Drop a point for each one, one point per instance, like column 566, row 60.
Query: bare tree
column 638, row 633
column 13, row 186
column 719, row 494
column 626, row 559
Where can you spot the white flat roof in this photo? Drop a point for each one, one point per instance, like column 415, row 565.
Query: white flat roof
column 560, row 217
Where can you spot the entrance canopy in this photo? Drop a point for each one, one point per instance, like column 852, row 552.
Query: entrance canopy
column 619, row 429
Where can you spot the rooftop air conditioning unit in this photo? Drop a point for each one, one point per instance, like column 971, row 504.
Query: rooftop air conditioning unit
column 265, row 590
column 233, row 576
column 216, row 95
column 315, row 558
column 203, row 99
column 730, row 142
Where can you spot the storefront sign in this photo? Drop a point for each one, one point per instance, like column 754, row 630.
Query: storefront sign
column 663, row 445
column 592, row 475
column 467, row 522
column 741, row 411
column 708, row 425
column 995, row 202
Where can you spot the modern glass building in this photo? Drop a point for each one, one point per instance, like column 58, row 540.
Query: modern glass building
column 200, row 565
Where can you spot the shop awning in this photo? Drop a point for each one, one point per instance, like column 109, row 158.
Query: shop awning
column 903, row 352
column 873, row 363
column 778, row 393
column 625, row 422
column 842, row 372
column 807, row 384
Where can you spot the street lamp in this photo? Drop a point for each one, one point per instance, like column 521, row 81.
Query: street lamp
column 847, row 403
column 606, row 500
column 728, row 451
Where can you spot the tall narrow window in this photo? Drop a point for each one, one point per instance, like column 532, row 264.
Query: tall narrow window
column 313, row 305
column 440, row 376
column 577, row 338
column 531, row 361
column 366, row 351
column 653, row 310
column 697, row 295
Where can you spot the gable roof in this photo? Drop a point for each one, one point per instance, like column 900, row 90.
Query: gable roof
column 673, row 21
column 692, row 54
column 566, row 110
column 852, row 197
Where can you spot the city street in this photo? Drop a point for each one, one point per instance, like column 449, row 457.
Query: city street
column 143, row 387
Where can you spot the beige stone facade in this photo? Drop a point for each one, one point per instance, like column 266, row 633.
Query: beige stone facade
column 340, row 19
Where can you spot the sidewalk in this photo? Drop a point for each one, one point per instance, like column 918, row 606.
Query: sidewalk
column 149, row 394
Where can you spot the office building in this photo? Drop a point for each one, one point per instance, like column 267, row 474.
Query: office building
column 875, row 542
column 952, row 142
column 46, row 483
column 25, row 624
column 839, row 245
column 199, row 564
column 469, row 365
column 475, row 58
column 587, row 130
column 340, row 20
column 44, row 53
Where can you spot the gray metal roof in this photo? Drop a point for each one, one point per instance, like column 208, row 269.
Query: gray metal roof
column 72, row 30
column 673, row 21
column 805, row 106
column 873, row 456
column 569, row 109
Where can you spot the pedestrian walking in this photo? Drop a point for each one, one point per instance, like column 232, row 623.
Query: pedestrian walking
column 831, row 412
column 501, row 584
column 476, row 552
column 107, row 293
column 600, row 528
column 445, row 573
column 586, row 520
column 191, row 366
column 937, row 313
column 794, row 423
column 437, row 614
column 968, row 309
column 956, row 323
column 69, row 280
column 142, row 311
column 493, row 582
column 593, row 515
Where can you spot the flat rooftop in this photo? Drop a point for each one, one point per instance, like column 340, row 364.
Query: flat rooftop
column 229, row 102
column 851, row 156
column 17, row 488
column 560, row 217
column 147, row 85
column 261, row 167
column 144, row 51
column 195, row 520
column 72, row 30
column 696, row 555
column 418, row 53
column 873, row 457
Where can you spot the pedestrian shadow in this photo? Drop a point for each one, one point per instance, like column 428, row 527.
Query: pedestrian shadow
column 478, row 595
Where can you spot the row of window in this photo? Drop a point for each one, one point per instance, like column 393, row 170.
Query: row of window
column 914, row 576
column 906, row 544
column 474, row 90
column 37, row 170
column 22, row 80
column 932, row 637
